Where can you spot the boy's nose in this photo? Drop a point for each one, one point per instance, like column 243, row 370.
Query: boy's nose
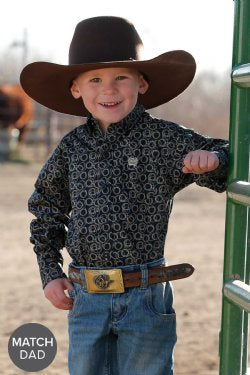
column 108, row 87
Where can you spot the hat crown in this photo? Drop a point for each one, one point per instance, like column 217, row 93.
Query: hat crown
column 104, row 39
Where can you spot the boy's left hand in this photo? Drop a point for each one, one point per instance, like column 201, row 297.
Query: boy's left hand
column 200, row 161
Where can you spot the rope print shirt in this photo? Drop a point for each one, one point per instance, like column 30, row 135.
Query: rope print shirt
column 107, row 197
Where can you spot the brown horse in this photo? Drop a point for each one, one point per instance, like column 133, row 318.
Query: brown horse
column 16, row 109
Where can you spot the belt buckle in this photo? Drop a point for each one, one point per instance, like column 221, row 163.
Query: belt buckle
column 104, row 281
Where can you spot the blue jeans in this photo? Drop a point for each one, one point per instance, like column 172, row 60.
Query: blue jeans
column 130, row 333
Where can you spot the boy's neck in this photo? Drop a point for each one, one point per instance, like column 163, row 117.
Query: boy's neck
column 103, row 127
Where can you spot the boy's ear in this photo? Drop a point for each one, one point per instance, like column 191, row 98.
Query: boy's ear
column 143, row 85
column 75, row 90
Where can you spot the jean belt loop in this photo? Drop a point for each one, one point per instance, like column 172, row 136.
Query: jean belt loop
column 144, row 276
column 84, row 286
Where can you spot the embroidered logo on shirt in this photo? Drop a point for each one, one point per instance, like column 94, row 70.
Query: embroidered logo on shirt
column 132, row 162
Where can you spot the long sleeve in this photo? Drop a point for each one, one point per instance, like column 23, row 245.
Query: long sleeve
column 186, row 140
column 50, row 203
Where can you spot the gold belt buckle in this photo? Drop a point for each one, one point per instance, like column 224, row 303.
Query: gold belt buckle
column 104, row 281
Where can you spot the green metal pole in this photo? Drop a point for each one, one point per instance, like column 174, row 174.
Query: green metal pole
column 247, row 281
column 233, row 337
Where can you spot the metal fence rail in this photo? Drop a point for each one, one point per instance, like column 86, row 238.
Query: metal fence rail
column 236, row 290
column 239, row 293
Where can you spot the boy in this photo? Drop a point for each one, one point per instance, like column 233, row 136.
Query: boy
column 111, row 182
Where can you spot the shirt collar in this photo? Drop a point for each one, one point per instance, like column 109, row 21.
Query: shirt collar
column 122, row 127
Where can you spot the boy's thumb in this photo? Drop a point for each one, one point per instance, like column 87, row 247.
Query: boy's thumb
column 68, row 284
column 185, row 170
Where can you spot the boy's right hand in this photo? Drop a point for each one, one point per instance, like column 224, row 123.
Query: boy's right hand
column 54, row 292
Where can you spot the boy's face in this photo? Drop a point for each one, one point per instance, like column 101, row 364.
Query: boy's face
column 109, row 94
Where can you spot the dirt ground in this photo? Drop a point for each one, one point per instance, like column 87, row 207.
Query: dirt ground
column 195, row 235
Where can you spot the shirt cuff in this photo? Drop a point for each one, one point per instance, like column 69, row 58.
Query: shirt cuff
column 222, row 170
column 48, row 274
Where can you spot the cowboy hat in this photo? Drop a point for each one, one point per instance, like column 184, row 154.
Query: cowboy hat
column 103, row 42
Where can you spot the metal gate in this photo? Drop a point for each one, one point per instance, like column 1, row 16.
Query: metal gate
column 236, row 289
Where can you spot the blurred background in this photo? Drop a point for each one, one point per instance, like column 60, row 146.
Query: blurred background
column 42, row 31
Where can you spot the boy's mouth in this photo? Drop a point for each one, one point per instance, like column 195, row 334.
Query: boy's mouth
column 109, row 104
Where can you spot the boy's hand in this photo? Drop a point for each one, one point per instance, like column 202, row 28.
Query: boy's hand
column 200, row 161
column 54, row 291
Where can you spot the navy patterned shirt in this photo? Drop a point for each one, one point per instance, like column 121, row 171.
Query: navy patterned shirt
column 107, row 197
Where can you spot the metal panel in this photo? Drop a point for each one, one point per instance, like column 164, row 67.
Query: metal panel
column 234, row 325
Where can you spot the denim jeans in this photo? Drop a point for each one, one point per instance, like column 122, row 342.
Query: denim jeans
column 130, row 333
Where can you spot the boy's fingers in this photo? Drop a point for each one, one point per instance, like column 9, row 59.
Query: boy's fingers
column 68, row 284
column 199, row 162
column 63, row 301
column 191, row 163
column 60, row 300
column 195, row 163
column 186, row 170
column 55, row 292
column 213, row 162
column 187, row 163
column 203, row 162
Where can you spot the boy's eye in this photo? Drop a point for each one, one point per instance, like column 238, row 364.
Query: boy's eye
column 120, row 78
column 95, row 79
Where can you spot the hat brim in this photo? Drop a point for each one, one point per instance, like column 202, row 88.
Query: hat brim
column 168, row 75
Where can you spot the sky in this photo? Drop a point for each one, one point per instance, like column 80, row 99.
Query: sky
column 202, row 27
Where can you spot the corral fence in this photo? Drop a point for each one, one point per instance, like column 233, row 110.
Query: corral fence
column 236, row 290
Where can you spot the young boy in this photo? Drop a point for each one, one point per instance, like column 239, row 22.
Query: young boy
column 111, row 182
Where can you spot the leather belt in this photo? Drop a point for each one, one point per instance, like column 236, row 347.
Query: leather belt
column 115, row 280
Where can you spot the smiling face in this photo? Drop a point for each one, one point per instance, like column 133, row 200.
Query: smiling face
column 109, row 94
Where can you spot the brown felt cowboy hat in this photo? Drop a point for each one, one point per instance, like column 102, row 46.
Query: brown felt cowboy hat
column 102, row 42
